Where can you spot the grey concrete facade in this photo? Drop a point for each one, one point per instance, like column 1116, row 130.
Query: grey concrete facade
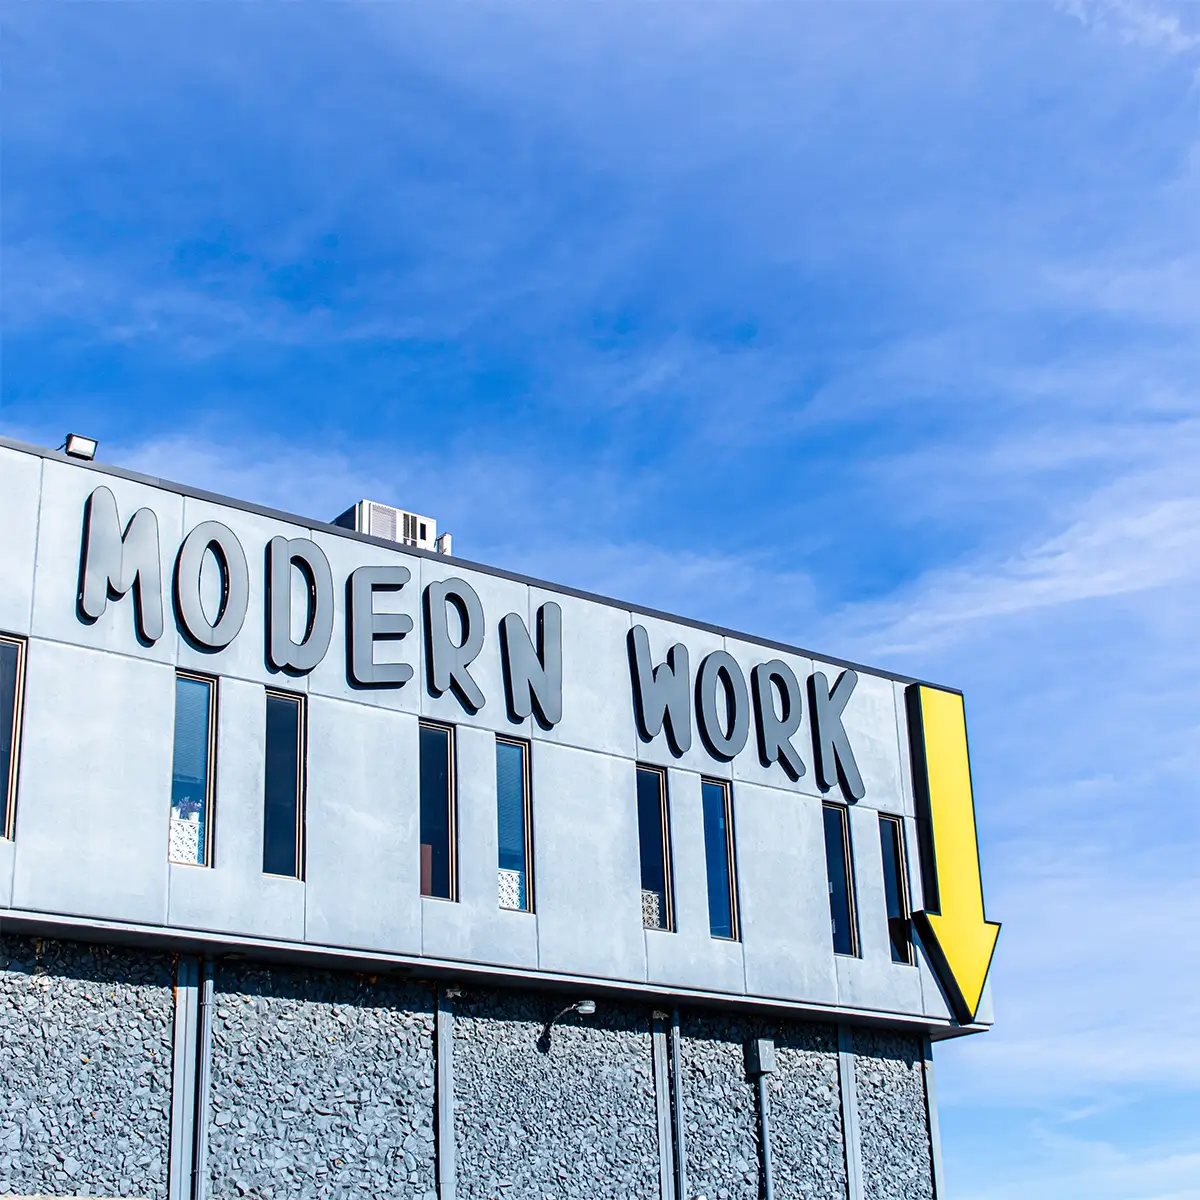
column 218, row 1032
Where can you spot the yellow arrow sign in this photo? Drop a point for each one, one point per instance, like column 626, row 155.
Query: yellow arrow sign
column 956, row 933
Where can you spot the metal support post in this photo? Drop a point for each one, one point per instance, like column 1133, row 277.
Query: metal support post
column 851, row 1137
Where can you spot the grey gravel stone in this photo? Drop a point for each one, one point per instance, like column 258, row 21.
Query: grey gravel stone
column 890, row 1079
column 85, row 1048
column 322, row 1086
column 577, row 1122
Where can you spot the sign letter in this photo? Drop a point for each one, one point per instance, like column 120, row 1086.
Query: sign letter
column 285, row 654
column 533, row 680
column 775, row 729
column 366, row 626
column 447, row 662
column 834, row 757
column 113, row 562
column 661, row 693
column 720, row 669
column 235, row 585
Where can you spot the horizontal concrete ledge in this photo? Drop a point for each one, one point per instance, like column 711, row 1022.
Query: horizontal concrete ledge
column 220, row 945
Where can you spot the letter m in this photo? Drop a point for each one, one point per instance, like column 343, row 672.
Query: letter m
column 112, row 562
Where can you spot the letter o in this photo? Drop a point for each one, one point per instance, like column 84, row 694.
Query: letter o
column 235, row 585
column 720, row 669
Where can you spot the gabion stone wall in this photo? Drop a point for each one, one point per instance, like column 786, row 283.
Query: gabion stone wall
column 891, row 1116
column 807, row 1152
column 322, row 1085
column 720, row 1118
column 578, row 1122
column 85, row 1063
column 720, row 1110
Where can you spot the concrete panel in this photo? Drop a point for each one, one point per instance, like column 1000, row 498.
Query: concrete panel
column 20, row 489
column 597, row 690
column 475, row 928
column 94, row 804
column 8, row 858
column 748, row 766
column 784, row 895
column 233, row 895
column 870, row 723
column 65, row 490
column 245, row 657
column 873, row 980
column 363, row 861
column 498, row 597
column 691, row 957
column 906, row 778
column 586, row 864
column 331, row 677
column 699, row 643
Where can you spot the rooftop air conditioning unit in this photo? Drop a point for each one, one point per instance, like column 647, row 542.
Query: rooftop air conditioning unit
column 394, row 525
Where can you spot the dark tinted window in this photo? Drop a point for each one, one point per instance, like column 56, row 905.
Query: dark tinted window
column 895, row 889
column 718, row 858
column 512, row 798
column 283, row 815
column 652, row 847
column 10, row 689
column 437, row 812
column 191, row 770
column 837, row 861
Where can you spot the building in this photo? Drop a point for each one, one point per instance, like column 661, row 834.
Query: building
column 335, row 866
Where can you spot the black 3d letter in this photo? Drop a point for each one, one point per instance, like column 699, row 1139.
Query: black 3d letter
column 661, row 693
column 282, row 554
column 533, row 679
column 775, row 729
column 366, row 626
column 835, row 759
column 447, row 663
column 235, row 585
column 720, row 669
column 113, row 562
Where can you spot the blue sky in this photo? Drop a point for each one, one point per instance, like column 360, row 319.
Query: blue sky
column 872, row 328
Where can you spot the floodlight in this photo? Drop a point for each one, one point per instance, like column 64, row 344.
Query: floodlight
column 78, row 446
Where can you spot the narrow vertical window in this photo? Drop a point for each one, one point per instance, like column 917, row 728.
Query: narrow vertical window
column 513, row 824
column 192, row 773
column 283, row 794
column 654, row 847
column 895, row 888
column 12, row 679
column 841, row 879
column 719, row 858
column 437, row 811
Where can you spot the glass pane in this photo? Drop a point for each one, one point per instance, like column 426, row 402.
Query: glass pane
column 652, row 848
column 716, row 859
column 9, row 661
column 510, row 823
column 892, row 845
column 189, row 774
column 435, row 812
column 839, row 880
column 281, row 799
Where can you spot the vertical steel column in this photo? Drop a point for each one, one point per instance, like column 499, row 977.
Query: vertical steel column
column 662, row 1101
column 851, row 1137
column 679, row 1141
column 203, row 1072
column 444, row 1096
column 760, row 1062
column 183, row 1080
column 935, row 1133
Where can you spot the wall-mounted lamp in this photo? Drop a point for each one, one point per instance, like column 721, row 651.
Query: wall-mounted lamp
column 585, row 1008
column 78, row 446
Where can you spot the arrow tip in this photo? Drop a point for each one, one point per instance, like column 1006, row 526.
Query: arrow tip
column 963, row 952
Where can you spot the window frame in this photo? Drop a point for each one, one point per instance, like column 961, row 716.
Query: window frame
column 301, row 701
column 664, row 804
column 905, row 897
column 843, row 810
column 8, row 825
column 735, row 923
column 452, row 806
column 210, row 779
column 526, row 749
